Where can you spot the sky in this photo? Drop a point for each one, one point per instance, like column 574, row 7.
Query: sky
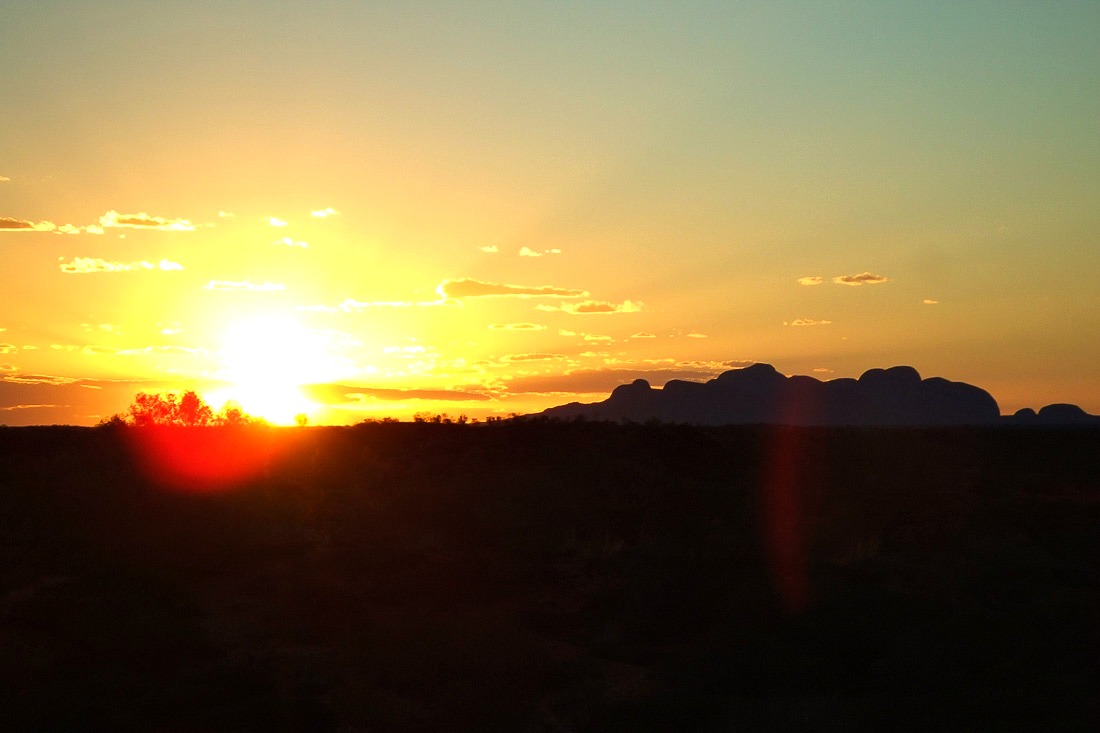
column 356, row 210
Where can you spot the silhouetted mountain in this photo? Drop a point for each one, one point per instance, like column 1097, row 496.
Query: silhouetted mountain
column 1053, row 415
column 758, row 394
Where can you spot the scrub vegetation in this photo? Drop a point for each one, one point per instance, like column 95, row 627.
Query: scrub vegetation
column 550, row 576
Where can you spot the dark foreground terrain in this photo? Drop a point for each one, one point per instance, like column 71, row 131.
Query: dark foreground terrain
column 555, row 577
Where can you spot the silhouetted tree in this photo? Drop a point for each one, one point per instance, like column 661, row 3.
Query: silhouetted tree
column 187, row 410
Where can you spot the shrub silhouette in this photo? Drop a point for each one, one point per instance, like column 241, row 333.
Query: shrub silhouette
column 184, row 410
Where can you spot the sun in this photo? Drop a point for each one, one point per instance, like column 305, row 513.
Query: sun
column 266, row 360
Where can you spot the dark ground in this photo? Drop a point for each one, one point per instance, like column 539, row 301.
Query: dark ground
column 557, row 577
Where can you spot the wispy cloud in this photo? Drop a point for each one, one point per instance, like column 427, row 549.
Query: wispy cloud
column 350, row 305
column 275, row 221
column 291, row 242
column 324, row 213
column 469, row 288
column 243, row 285
column 644, row 335
column 8, row 224
column 598, row 307
column 517, row 327
column 528, row 252
column 811, row 280
column 4, row 178
column 929, row 301
column 336, row 394
column 90, row 265
column 696, row 335
column 490, row 248
column 863, row 278
column 532, row 357
column 113, row 219
column 596, row 337
column 806, row 322
column 226, row 215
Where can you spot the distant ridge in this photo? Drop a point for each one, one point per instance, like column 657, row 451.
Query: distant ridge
column 758, row 394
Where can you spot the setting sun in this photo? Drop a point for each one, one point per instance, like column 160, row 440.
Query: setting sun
column 266, row 360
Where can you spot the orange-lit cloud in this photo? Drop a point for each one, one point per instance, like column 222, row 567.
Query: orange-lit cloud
column 863, row 278
column 468, row 288
column 517, row 327
column 490, row 248
column 806, row 322
column 4, row 178
column 590, row 307
column 8, row 224
column 929, row 301
column 276, row 221
column 532, row 357
column 324, row 213
column 336, row 394
column 70, row 229
column 8, row 348
column 113, row 219
column 89, row 265
column 351, row 305
column 243, row 285
column 596, row 337
column 643, row 335
column 528, row 252
column 291, row 242
column 588, row 381
column 812, row 280
column 694, row 335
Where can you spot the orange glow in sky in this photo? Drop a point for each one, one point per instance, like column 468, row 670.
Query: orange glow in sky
column 354, row 210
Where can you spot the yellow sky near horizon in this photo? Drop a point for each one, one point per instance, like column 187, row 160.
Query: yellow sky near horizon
column 495, row 208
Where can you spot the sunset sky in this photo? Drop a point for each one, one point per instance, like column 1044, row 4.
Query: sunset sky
column 486, row 208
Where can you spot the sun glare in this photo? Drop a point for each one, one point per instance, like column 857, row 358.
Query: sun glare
column 266, row 360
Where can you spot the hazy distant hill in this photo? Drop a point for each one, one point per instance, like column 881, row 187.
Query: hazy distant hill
column 760, row 395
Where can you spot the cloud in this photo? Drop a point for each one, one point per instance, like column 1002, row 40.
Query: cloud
column 290, row 242
column 245, row 285
column 336, row 394
column 89, row 265
column 7, row 224
column 351, row 305
column 275, row 221
column 4, row 178
column 644, row 335
column 822, row 370
column 596, row 337
column 590, row 307
column 144, row 221
column 532, row 357
column 7, row 367
column 588, row 381
column 490, row 248
column 517, row 327
column 468, row 288
column 528, row 252
column 929, row 301
column 806, row 322
column 226, row 215
column 696, row 335
column 863, row 278
column 8, row 348
column 812, row 280
column 324, row 213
